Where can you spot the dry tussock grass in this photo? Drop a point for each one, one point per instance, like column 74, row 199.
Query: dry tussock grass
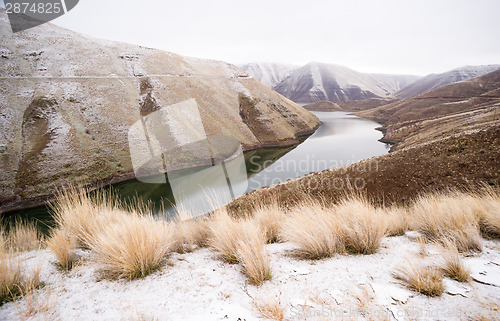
column 353, row 225
column 454, row 267
column 14, row 283
column 82, row 216
column 397, row 220
column 132, row 248
column 63, row 248
column 190, row 234
column 441, row 218
column 10, row 278
column 20, row 236
column 225, row 232
column 426, row 280
column 270, row 219
column 363, row 226
column 252, row 254
column 315, row 229
column 270, row 309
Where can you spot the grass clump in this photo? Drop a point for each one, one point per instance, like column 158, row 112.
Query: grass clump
column 190, row 234
column 133, row 247
column 82, row 216
column 20, row 236
column 10, row 278
column 252, row 254
column 63, row 248
column 13, row 283
column 269, row 218
column 363, row 226
column 315, row 229
column 225, row 232
column 443, row 218
column 426, row 280
column 270, row 309
column 454, row 267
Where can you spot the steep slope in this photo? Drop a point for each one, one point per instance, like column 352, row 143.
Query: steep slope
column 318, row 81
column 67, row 102
column 464, row 106
column 270, row 74
column 435, row 81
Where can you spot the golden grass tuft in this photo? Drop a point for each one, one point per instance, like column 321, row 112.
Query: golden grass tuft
column 397, row 220
column 82, row 216
column 252, row 254
column 269, row 218
column 132, row 248
column 271, row 309
column 426, row 280
column 63, row 248
column 488, row 212
column 14, row 283
column 21, row 236
column 225, row 232
column 190, row 234
column 441, row 218
column 10, row 278
column 454, row 267
column 363, row 226
column 315, row 229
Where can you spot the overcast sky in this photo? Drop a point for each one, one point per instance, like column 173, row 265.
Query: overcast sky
column 390, row 36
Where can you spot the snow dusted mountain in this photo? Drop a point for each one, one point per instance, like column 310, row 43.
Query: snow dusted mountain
column 434, row 81
column 67, row 102
column 319, row 81
column 270, row 74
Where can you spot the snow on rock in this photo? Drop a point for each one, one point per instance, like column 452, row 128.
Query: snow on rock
column 390, row 294
column 455, row 288
column 484, row 271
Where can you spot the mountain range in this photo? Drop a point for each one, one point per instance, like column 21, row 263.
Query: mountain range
column 320, row 81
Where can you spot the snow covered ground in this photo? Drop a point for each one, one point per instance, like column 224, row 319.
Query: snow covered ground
column 200, row 286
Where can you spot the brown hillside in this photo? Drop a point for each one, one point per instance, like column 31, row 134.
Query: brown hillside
column 465, row 162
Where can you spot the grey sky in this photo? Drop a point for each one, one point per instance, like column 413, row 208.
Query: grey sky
column 391, row 36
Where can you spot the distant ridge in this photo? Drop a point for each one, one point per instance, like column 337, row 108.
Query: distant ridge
column 434, row 81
